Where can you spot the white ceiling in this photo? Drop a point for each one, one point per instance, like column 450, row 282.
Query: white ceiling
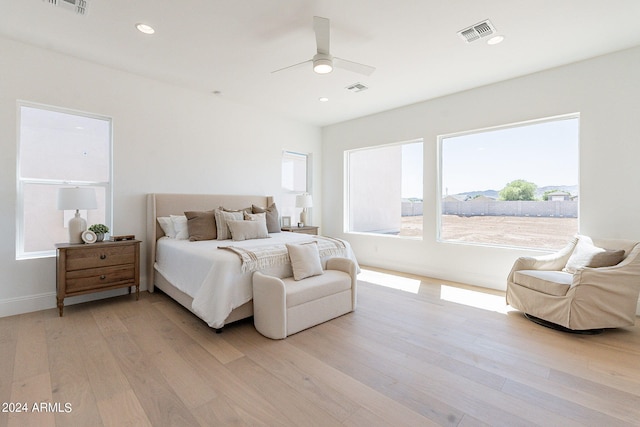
column 232, row 46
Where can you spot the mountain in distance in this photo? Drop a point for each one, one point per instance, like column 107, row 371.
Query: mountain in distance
column 495, row 194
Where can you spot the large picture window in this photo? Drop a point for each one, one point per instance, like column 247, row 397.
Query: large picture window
column 58, row 148
column 384, row 189
column 515, row 185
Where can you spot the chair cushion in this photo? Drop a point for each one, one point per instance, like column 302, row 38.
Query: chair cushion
column 549, row 282
column 316, row 287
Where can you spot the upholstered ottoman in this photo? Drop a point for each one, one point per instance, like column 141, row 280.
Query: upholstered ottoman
column 282, row 307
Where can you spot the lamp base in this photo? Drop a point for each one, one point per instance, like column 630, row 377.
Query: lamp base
column 77, row 225
column 303, row 216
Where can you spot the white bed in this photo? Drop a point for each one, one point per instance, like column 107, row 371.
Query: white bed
column 205, row 279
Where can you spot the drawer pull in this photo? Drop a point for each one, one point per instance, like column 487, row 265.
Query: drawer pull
column 103, row 256
column 103, row 277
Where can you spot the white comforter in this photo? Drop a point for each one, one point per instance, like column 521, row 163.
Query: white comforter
column 213, row 277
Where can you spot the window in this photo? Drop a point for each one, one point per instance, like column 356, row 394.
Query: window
column 296, row 177
column 515, row 185
column 58, row 148
column 384, row 189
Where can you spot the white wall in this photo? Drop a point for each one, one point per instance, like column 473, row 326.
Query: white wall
column 165, row 139
column 605, row 90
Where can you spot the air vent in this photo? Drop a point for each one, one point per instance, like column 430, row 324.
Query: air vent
column 477, row 31
column 356, row 87
column 77, row 6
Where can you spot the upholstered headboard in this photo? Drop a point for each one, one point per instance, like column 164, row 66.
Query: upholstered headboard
column 176, row 204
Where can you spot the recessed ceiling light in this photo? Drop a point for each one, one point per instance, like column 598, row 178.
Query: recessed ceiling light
column 495, row 40
column 144, row 28
column 323, row 99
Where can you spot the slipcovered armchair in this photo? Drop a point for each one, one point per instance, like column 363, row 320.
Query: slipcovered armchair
column 589, row 284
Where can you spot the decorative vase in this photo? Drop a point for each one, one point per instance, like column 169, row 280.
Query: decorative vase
column 99, row 237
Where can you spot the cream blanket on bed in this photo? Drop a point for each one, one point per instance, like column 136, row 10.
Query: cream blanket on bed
column 275, row 255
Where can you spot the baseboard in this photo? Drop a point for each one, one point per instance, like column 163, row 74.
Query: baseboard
column 46, row 301
column 27, row 304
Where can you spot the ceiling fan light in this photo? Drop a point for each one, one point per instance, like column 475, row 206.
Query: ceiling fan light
column 322, row 66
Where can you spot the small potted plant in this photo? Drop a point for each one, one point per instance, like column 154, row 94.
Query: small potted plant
column 100, row 230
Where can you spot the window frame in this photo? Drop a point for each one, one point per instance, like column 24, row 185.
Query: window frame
column 440, row 192
column 287, row 208
column 22, row 182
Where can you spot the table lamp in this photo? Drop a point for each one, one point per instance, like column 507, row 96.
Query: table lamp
column 304, row 201
column 77, row 198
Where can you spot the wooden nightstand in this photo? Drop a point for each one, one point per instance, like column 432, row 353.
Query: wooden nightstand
column 86, row 268
column 307, row 229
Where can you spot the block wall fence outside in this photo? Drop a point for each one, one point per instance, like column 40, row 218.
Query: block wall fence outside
column 412, row 208
column 563, row 209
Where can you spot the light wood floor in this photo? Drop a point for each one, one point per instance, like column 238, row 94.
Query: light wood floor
column 401, row 359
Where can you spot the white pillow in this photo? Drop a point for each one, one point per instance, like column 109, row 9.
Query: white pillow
column 246, row 230
column 305, row 260
column 584, row 251
column 167, row 226
column 180, row 225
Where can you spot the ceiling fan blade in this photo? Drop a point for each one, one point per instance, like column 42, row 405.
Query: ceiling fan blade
column 356, row 67
column 292, row 66
column 321, row 28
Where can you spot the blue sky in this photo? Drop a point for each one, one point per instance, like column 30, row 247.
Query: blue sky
column 543, row 153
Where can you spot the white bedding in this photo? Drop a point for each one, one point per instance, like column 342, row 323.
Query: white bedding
column 213, row 277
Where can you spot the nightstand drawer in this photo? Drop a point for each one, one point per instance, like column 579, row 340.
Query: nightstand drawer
column 82, row 269
column 99, row 257
column 95, row 278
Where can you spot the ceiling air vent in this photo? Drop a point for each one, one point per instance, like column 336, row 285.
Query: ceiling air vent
column 477, row 31
column 356, row 87
column 77, row 6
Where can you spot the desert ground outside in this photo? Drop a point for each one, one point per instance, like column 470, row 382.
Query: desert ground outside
column 538, row 232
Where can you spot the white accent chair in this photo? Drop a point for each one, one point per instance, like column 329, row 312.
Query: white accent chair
column 282, row 307
column 569, row 288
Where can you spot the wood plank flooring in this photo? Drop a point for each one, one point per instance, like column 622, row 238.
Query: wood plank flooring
column 403, row 358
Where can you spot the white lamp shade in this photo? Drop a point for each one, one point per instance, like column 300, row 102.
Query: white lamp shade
column 77, row 198
column 304, row 201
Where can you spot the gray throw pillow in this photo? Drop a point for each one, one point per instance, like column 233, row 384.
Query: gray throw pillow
column 607, row 258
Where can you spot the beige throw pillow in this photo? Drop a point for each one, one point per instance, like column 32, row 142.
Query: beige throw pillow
column 272, row 217
column 222, row 217
column 201, row 225
column 246, row 230
column 256, row 217
column 305, row 260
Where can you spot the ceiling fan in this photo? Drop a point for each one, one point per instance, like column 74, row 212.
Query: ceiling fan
column 323, row 62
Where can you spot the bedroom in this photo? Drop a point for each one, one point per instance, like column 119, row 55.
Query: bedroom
column 157, row 121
